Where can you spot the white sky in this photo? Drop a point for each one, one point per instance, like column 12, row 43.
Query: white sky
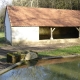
column 3, row 3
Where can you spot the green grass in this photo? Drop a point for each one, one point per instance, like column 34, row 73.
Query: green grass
column 2, row 38
column 1, row 34
column 62, row 52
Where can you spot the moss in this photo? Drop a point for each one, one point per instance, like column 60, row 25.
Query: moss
column 16, row 56
column 11, row 58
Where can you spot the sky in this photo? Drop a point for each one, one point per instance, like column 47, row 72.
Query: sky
column 4, row 2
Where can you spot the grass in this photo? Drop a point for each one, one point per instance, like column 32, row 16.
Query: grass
column 62, row 51
column 2, row 38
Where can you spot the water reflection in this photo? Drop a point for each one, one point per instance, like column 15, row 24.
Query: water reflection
column 30, row 73
column 60, row 71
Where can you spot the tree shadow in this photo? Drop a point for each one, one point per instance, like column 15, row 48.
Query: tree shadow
column 35, row 48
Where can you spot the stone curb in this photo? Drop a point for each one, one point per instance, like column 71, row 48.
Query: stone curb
column 10, row 67
column 59, row 57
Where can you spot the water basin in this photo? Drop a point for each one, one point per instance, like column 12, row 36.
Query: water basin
column 52, row 69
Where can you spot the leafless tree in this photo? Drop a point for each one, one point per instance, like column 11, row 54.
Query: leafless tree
column 27, row 3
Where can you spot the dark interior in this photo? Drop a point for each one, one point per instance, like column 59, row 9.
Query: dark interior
column 59, row 33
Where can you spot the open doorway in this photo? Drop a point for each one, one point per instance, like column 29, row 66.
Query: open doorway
column 44, row 33
column 65, row 33
column 59, row 33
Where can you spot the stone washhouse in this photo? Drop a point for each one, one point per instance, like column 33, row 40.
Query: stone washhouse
column 24, row 25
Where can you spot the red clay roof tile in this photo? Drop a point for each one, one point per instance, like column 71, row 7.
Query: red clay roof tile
column 23, row 16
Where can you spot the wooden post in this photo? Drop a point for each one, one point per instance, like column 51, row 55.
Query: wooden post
column 79, row 31
column 52, row 33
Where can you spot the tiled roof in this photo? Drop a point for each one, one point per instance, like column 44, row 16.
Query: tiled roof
column 23, row 16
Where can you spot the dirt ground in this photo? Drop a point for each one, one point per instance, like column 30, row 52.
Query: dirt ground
column 8, row 48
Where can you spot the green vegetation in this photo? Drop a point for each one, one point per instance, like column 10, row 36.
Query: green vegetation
column 2, row 35
column 62, row 52
column 14, row 57
column 2, row 38
column 60, row 4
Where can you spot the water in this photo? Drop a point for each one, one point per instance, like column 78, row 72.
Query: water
column 54, row 69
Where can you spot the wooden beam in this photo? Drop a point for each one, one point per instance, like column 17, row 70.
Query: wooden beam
column 77, row 28
column 79, row 31
column 52, row 30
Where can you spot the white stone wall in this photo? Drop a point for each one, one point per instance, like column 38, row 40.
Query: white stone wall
column 7, row 28
column 25, row 34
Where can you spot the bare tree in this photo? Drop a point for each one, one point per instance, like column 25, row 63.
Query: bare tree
column 4, row 3
column 27, row 3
